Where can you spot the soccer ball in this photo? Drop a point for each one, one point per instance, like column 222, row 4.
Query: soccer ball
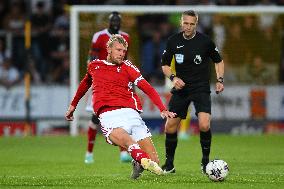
column 217, row 170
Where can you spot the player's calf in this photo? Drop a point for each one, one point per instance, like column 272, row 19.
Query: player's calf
column 143, row 158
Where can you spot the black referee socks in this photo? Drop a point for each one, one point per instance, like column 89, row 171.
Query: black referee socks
column 205, row 142
column 171, row 145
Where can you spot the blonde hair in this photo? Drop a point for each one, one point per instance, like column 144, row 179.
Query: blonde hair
column 119, row 38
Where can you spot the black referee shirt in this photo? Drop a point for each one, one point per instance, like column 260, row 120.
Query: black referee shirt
column 192, row 57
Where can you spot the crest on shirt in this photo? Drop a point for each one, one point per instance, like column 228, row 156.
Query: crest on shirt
column 197, row 59
column 179, row 58
column 118, row 69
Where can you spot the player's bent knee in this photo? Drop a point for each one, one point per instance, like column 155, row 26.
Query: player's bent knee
column 121, row 138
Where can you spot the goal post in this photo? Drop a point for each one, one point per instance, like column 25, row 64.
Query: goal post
column 76, row 10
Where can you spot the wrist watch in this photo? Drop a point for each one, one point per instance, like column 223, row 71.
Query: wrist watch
column 172, row 77
column 220, row 80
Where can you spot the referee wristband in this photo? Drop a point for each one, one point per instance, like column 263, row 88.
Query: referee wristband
column 172, row 77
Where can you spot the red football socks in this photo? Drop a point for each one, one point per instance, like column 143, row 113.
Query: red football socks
column 92, row 133
column 136, row 153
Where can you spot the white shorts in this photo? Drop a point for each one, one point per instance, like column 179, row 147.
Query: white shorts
column 89, row 106
column 127, row 119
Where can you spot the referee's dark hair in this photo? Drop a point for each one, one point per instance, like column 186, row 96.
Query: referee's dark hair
column 190, row 13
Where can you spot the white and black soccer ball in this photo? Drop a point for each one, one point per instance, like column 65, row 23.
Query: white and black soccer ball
column 217, row 170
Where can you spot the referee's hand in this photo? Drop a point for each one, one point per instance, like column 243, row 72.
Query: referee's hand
column 219, row 87
column 178, row 83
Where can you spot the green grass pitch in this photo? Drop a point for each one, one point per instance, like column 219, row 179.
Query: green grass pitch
column 57, row 162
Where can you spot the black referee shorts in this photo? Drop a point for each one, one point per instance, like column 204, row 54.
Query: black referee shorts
column 95, row 119
column 179, row 103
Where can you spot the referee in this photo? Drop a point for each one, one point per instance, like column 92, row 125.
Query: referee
column 191, row 51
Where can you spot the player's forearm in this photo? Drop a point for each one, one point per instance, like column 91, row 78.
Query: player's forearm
column 84, row 85
column 219, row 68
column 152, row 93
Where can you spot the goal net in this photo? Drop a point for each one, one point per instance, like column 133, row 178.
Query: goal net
column 249, row 38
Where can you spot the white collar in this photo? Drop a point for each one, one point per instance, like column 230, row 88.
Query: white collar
column 108, row 63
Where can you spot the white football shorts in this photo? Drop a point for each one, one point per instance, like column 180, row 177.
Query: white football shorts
column 89, row 106
column 127, row 119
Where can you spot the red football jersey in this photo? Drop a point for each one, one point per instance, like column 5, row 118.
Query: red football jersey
column 99, row 41
column 112, row 86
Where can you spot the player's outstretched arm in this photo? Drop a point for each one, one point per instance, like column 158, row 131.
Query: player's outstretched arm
column 69, row 114
column 82, row 89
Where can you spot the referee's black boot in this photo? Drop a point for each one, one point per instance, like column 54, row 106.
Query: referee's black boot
column 168, row 168
column 204, row 162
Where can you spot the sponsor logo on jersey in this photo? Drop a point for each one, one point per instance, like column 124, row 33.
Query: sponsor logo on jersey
column 178, row 47
column 197, row 59
column 179, row 58
column 128, row 63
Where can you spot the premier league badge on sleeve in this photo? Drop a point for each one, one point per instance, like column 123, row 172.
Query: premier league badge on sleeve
column 179, row 58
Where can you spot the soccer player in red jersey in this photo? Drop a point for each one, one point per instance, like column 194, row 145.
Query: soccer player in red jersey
column 118, row 106
column 98, row 50
column 100, row 39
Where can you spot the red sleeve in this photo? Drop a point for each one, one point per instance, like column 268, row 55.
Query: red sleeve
column 152, row 93
column 139, row 81
column 133, row 71
column 84, row 85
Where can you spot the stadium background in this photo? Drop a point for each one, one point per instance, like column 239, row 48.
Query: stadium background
column 251, row 44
